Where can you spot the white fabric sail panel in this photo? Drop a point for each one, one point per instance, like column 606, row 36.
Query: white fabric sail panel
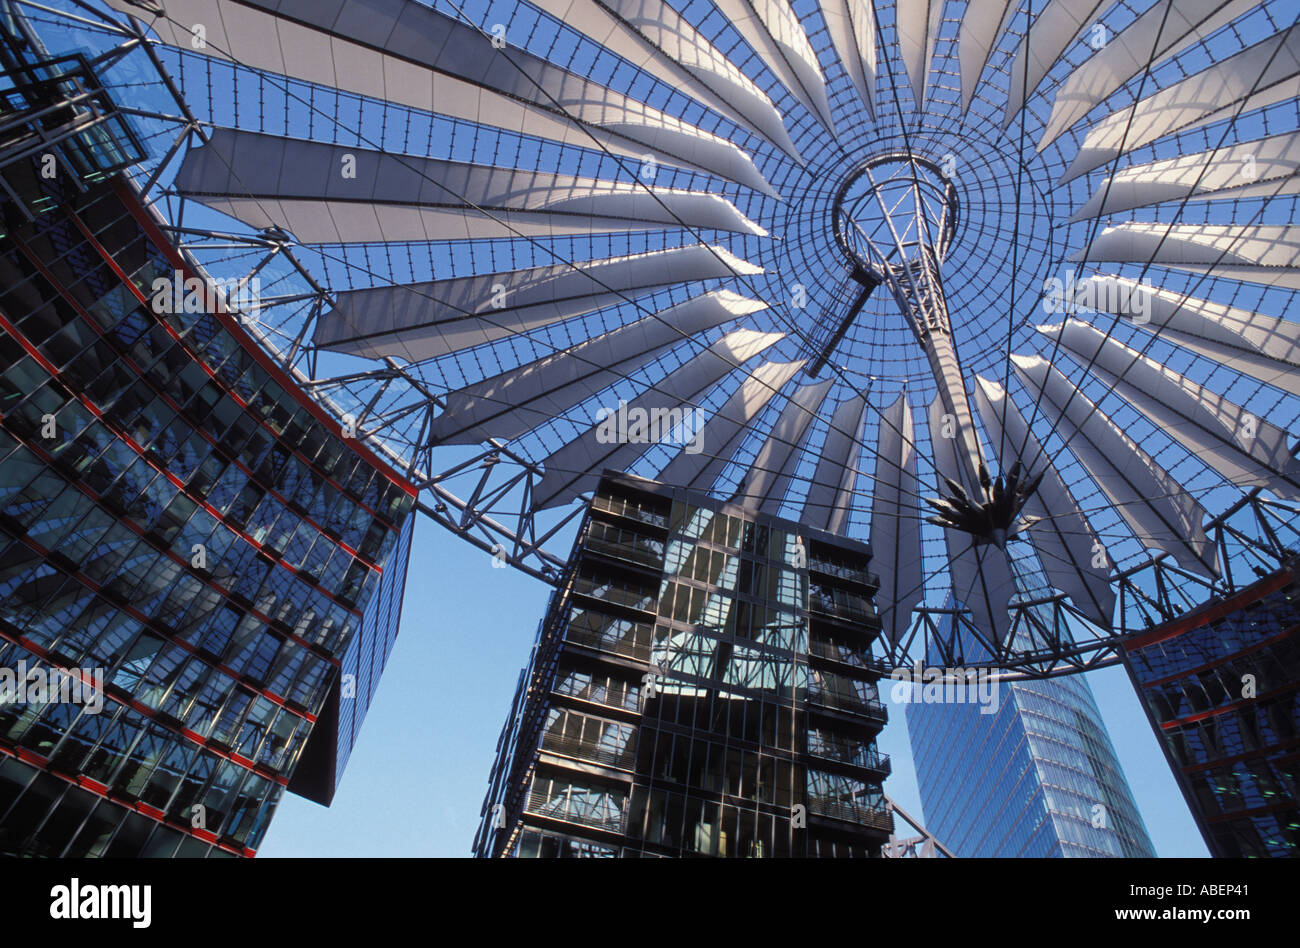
column 248, row 166
column 1053, row 29
column 1164, row 30
column 1280, row 278
column 982, row 580
column 424, row 320
column 918, row 30
column 1247, row 450
column 1259, row 254
column 1156, row 507
column 410, row 55
column 576, row 466
column 1248, row 170
column 981, row 25
column 722, row 435
column 519, row 399
column 830, row 495
column 773, row 31
column 852, row 28
column 1263, row 347
column 1270, row 68
column 896, row 522
column 1063, row 535
column 654, row 36
column 337, row 222
column 769, row 476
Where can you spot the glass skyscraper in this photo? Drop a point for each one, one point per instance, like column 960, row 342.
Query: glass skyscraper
column 1221, row 686
column 184, row 533
column 1037, row 776
column 701, row 686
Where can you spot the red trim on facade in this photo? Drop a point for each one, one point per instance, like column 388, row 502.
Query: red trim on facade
column 31, row 350
column 180, row 561
column 195, row 358
column 1207, row 614
column 150, row 713
column 144, row 217
column 1223, row 709
column 1257, row 753
column 1227, row 658
column 144, row 809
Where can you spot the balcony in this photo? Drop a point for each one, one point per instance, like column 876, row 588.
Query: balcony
column 860, row 755
column 618, row 593
column 622, row 507
column 854, row 658
column 877, row 818
column 841, row 571
column 841, row 606
column 621, row 758
column 617, row 637
column 847, row 701
column 624, row 544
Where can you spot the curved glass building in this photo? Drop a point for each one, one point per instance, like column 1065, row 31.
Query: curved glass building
column 1024, row 769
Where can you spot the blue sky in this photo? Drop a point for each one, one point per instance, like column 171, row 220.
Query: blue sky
column 417, row 777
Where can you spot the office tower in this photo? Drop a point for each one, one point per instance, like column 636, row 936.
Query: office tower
column 1027, row 772
column 1221, row 686
column 701, row 686
column 190, row 545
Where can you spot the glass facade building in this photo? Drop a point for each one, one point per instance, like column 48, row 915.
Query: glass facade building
column 176, row 515
column 700, row 686
column 1221, row 687
column 1035, row 777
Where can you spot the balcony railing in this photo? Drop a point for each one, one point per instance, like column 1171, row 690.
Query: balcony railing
column 601, row 817
column 852, row 574
column 618, row 593
column 619, row 757
column 626, row 508
column 853, row 609
column 631, row 640
column 625, row 545
column 875, row 817
column 845, row 701
column 861, row 756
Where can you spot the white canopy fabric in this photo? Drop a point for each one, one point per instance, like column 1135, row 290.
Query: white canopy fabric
column 576, row 466
column 1256, row 254
column 830, row 495
column 1252, row 169
column 769, row 477
column 1260, row 75
column 982, row 580
column 724, row 432
column 1059, row 24
column 657, row 38
column 896, row 553
column 773, row 31
column 517, row 400
column 1156, row 507
column 852, row 27
column 1166, row 28
column 918, row 31
column 981, row 25
column 411, row 55
column 422, row 320
column 267, row 180
column 1247, row 450
column 1262, row 347
column 1064, row 537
